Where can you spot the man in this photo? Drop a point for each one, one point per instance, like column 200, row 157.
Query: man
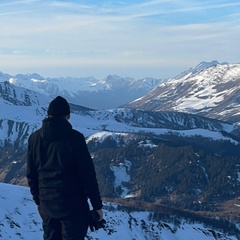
column 61, row 176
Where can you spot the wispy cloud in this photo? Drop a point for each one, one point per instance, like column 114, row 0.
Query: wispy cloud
column 170, row 7
column 150, row 35
column 20, row 7
column 70, row 6
column 15, row 12
column 12, row 3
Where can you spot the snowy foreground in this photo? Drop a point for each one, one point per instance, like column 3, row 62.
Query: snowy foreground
column 19, row 220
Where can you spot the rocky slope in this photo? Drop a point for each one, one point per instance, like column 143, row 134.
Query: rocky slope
column 210, row 90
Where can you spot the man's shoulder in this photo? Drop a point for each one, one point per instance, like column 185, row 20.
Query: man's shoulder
column 77, row 134
column 35, row 134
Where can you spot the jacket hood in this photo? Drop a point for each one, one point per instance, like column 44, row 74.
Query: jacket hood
column 55, row 129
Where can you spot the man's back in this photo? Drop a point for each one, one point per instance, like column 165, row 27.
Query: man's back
column 60, row 170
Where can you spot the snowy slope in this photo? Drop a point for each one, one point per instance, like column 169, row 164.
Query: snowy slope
column 18, row 122
column 19, row 220
column 210, row 89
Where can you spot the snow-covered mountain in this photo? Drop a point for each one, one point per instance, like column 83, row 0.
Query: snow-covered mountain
column 110, row 92
column 193, row 160
column 210, row 89
column 23, row 110
column 19, row 220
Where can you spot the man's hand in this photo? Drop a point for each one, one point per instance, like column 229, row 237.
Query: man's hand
column 100, row 213
column 95, row 220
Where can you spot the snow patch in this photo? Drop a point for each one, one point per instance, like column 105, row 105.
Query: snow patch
column 121, row 173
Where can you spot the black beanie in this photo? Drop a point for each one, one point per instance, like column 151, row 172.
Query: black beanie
column 59, row 107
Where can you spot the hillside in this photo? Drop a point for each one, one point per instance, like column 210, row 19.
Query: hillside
column 19, row 220
column 209, row 89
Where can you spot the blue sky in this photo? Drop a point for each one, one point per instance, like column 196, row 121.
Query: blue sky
column 156, row 38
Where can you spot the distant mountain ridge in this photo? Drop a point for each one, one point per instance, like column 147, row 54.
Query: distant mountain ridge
column 110, row 92
column 211, row 90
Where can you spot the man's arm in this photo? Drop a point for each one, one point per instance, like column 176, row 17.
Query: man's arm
column 87, row 174
column 32, row 175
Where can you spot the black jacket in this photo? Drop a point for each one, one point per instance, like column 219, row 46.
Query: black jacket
column 60, row 170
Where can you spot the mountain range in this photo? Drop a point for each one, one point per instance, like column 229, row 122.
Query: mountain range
column 110, row 92
column 184, row 133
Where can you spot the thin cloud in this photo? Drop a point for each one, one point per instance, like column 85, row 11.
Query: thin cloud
column 15, row 12
column 154, row 8
column 70, row 5
column 17, row 7
column 20, row 2
column 49, row 34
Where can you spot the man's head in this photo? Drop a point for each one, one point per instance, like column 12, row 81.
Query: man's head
column 59, row 107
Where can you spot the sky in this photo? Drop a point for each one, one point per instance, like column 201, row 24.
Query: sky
column 130, row 38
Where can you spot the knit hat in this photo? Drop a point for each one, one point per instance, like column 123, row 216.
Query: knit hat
column 58, row 107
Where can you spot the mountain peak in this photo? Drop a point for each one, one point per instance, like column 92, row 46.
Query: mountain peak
column 203, row 65
column 113, row 78
column 28, row 77
column 200, row 90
